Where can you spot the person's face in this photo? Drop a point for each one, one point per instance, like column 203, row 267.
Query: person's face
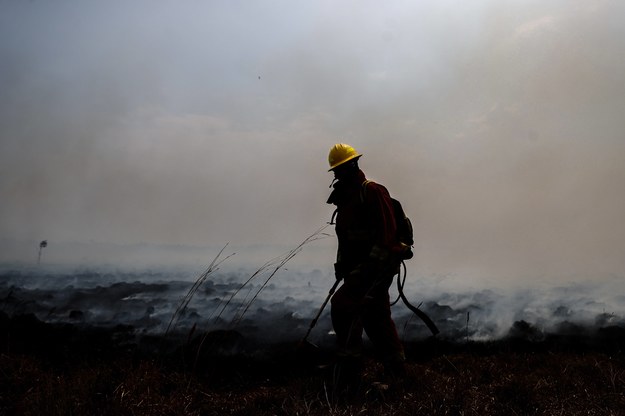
column 345, row 170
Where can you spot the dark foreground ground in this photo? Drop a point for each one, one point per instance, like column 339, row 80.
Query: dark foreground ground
column 66, row 370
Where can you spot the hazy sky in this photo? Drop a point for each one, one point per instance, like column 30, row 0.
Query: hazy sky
column 500, row 125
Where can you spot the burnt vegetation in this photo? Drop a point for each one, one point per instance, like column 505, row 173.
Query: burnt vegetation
column 62, row 369
column 118, row 350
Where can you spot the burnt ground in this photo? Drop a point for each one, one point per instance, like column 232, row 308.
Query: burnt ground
column 63, row 369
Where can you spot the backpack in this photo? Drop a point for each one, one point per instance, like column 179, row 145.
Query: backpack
column 405, row 233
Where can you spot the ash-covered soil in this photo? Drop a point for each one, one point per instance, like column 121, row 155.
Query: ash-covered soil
column 94, row 343
column 61, row 369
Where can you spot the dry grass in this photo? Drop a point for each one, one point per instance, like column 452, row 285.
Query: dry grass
column 506, row 378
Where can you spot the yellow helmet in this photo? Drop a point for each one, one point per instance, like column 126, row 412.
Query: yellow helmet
column 341, row 153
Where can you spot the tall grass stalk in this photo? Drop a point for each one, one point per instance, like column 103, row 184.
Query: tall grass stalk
column 212, row 267
column 281, row 262
column 236, row 292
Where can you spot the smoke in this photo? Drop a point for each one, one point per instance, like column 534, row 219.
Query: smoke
column 498, row 126
column 149, row 302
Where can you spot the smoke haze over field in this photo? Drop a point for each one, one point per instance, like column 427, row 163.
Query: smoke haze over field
column 279, row 306
column 499, row 125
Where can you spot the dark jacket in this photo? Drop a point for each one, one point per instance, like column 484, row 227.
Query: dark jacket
column 365, row 222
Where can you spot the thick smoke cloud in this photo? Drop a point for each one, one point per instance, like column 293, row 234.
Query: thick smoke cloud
column 498, row 125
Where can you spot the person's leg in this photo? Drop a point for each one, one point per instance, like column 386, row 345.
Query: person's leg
column 381, row 330
column 345, row 313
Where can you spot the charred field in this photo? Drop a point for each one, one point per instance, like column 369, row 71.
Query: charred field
column 62, row 369
column 87, row 343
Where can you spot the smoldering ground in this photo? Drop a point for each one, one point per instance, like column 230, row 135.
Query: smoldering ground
column 273, row 309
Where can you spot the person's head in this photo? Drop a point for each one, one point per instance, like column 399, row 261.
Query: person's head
column 343, row 160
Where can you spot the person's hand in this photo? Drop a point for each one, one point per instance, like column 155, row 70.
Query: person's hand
column 378, row 253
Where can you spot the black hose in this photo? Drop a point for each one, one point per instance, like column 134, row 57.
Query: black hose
column 415, row 309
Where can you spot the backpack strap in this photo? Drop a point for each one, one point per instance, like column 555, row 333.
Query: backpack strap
column 363, row 190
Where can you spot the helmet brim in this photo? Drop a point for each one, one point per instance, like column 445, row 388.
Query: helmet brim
column 336, row 165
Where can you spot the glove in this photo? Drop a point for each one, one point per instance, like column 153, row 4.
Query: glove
column 378, row 253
